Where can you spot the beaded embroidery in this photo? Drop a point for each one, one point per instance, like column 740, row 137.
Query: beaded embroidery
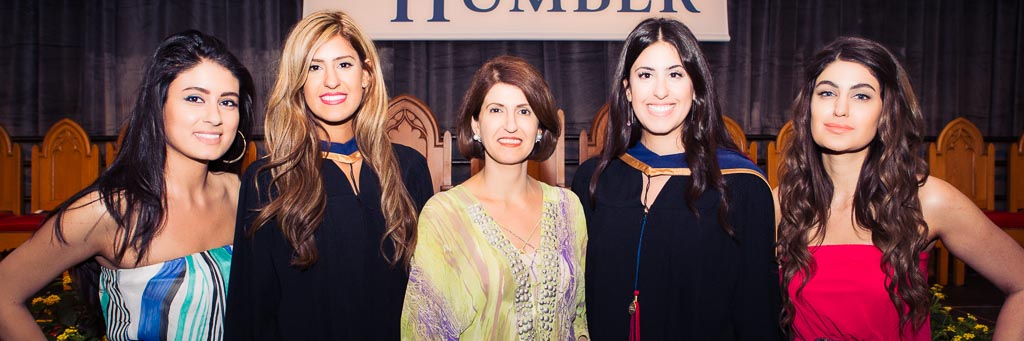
column 534, row 297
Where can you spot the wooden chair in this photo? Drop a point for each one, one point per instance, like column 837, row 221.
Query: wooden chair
column 63, row 164
column 962, row 158
column 775, row 152
column 740, row 138
column 550, row 171
column 592, row 141
column 15, row 228
column 1015, row 203
column 10, row 174
column 411, row 123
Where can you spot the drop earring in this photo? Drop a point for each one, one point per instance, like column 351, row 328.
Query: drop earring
column 476, row 137
column 540, row 135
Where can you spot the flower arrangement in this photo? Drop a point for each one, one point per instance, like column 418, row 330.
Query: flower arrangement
column 61, row 314
column 947, row 327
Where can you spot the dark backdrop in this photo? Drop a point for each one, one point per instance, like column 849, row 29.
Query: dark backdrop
column 83, row 59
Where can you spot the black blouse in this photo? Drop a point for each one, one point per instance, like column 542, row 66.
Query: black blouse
column 350, row 293
column 695, row 281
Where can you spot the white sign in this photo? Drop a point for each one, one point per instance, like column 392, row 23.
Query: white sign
column 524, row 19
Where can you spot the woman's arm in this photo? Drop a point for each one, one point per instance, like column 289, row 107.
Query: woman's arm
column 579, row 228
column 972, row 237
column 87, row 230
column 436, row 291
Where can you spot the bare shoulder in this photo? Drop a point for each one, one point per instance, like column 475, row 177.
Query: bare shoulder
column 86, row 219
column 937, row 194
column 944, row 206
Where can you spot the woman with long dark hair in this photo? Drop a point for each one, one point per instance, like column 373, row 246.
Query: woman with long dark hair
column 859, row 213
column 679, row 221
column 327, row 221
column 154, row 230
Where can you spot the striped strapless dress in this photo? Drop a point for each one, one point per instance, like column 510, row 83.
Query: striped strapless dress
column 179, row 299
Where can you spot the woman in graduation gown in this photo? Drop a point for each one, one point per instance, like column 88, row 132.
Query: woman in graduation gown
column 681, row 224
column 326, row 224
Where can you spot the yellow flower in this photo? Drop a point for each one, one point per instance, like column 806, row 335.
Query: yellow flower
column 66, row 282
column 940, row 296
column 69, row 332
column 959, row 319
column 968, row 336
column 947, row 308
column 37, row 300
column 957, row 338
column 972, row 317
column 51, row 300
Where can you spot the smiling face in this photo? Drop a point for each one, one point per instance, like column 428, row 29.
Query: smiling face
column 201, row 113
column 846, row 107
column 660, row 91
column 507, row 125
column 334, row 85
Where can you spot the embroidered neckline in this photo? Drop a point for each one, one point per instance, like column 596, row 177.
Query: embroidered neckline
column 536, row 294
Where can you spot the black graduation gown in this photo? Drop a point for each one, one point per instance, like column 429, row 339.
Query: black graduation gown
column 695, row 282
column 350, row 293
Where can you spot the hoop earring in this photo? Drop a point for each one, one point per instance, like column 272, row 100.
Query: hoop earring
column 244, row 147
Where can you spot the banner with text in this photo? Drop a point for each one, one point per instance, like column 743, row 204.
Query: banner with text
column 524, row 19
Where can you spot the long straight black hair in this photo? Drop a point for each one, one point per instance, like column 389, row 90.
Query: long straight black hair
column 703, row 128
column 133, row 188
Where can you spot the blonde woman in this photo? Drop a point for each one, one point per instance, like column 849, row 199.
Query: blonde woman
column 327, row 221
column 501, row 256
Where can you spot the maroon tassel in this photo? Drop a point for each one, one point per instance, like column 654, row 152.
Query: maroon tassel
column 634, row 319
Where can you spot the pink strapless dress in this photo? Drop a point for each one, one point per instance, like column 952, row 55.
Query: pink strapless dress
column 846, row 298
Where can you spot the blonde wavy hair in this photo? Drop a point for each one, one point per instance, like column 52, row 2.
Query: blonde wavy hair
column 294, row 158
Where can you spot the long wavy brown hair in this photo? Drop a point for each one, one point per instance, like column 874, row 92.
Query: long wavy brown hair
column 703, row 128
column 299, row 200
column 885, row 201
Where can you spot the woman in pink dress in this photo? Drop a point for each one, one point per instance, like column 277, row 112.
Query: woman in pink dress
column 859, row 213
